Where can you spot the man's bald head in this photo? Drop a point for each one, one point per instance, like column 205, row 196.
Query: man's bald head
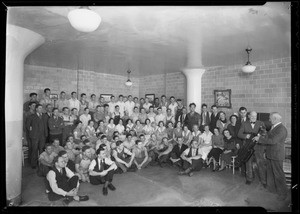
column 275, row 117
column 253, row 116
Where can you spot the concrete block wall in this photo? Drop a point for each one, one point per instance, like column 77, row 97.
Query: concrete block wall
column 37, row 78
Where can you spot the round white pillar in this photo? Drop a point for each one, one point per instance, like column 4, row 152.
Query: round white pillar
column 19, row 43
column 194, row 84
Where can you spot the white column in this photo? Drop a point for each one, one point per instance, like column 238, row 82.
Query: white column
column 194, row 78
column 19, row 43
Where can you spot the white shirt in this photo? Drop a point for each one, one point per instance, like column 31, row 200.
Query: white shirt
column 186, row 152
column 85, row 119
column 206, row 137
column 74, row 104
column 120, row 128
column 107, row 161
column 51, row 177
column 111, row 108
column 129, row 105
column 147, row 106
column 122, row 107
column 172, row 107
column 160, row 117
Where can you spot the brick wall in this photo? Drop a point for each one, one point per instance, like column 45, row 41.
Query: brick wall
column 37, row 78
column 267, row 89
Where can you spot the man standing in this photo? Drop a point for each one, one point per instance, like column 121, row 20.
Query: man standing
column 121, row 105
column 33, row 98
column 46, row 98
column 102, row 170
column 183, row 117
column 178, row 110
column 214, row 116
column 62, row 102
column 193, row 118
column 248, row 130
column 112, row 104
column 275, row 155
column 62, row 183
column 205, row 117
column 129, row 105
column 38, row 132
column 31, row 111
column 73, row 101
column 56, row 125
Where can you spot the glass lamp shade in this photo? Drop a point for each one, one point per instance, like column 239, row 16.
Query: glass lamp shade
column 128, row 83
column 248, row 68
column 84, row 20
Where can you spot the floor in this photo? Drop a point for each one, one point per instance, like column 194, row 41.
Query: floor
column 155, row 186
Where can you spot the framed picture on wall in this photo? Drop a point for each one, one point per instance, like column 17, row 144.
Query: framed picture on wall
column 223, row 98
column 106, row 97
column 54, row 96
column 151, row 97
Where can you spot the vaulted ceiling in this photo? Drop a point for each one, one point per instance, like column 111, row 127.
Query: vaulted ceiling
column 157, row 39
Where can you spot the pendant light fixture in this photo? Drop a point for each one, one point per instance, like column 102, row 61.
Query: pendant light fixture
column 248, row 68
column 128, row 82
column 84, row 19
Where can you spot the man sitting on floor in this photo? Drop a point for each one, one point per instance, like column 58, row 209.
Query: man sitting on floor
column 191, row 160
column 120, row 153
column 141, row 158
column 56, row 147
column 177, row 151
column 164, row 150
column 45, row 160
column 101, row 170
column 69, row 163
column 82, row 163
column 62, row 183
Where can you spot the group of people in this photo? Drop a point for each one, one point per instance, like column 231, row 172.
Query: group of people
column 94, row 140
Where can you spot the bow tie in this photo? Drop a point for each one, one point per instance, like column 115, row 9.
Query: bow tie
column 252, row 122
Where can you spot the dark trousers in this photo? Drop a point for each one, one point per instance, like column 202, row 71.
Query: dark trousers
column 37, row 145
column 123, row 167
column 196, row 165
column 43, row 170
column 261, row 163
column 96, row 180
column 68, row 186
column 56, row 136
column 164, row 158
column 175, row 156
column 276, row 176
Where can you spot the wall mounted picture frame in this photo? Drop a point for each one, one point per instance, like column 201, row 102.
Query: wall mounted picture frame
column 106, row 97
column 53, row 96
column 151, row 97
column 223, row 98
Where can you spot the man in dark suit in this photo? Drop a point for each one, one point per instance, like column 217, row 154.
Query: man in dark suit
column 214, row 116
column 176, row 152
column 193, row 118
column 248, row 130
column 37, row 127
column 205, row 117
column 48, row 116
column 275, row 154
column 183, row 117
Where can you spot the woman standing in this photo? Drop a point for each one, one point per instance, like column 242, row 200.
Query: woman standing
column 222, row 122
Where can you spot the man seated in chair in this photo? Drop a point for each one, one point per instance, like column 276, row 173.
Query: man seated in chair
column 192, row 160
column 102, row 170
column 177, row 151
column 62, row 183
column 45, row 160
column 123, row 158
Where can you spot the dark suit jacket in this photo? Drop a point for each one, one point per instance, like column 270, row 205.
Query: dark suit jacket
column 239, row 122
column 183, row 122
column 275, row 142
column 246, row 128
column 207, row 118
column 39, row 127
column 178, row 151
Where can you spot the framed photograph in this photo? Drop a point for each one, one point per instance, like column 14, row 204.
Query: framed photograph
column 54, row 96
column 151, row 97
column 223, row 98
column 106, row 97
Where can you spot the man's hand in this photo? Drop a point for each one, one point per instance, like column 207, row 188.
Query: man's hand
column 248, row 136
column 226, row 151
column 237, row 146
column 71, row 192
column 255, row 139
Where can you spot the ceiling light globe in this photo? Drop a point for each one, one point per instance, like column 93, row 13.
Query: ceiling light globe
column 248, row 68
column 128, row 83
column 84, row 20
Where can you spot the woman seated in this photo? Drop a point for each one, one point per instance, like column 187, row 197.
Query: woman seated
column 229, row 149
column 187, row 135
column 164, row 150
column 170, row 130
column 101, row 127
column 177, row 131
column 161, row 131
column 141, row 159
column 138, row 128
column 217, row 149
column 120, row 128
column 129, row 124
column 147, row 130
column 111, row 127
column 154, row 127
column 90, row 131
column 205, row 143
column 196, row 133
column 123, row 158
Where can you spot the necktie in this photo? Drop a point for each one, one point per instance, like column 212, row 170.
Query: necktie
column 40, row 116
column 252, row 122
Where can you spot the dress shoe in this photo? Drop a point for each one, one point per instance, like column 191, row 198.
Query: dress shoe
column 104, row 190
column 67, row 200
column 111, row 187
column 83, row 198
column 248, row 182
column 191, row 174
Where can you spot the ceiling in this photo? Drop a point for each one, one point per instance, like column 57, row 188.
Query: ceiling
column 158, row 39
